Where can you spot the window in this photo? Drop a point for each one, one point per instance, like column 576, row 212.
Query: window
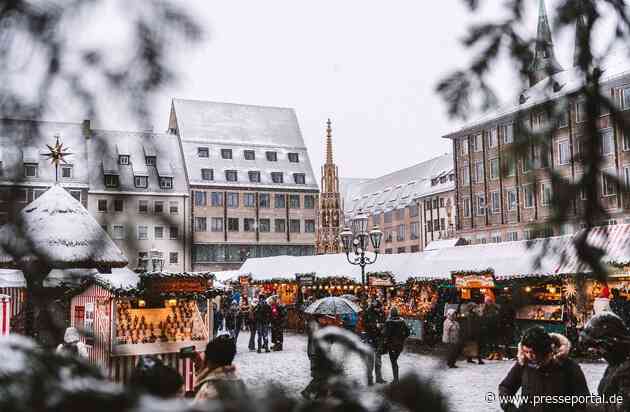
column 216, row 224
column 607, row 142
column 625, row 97
column 400, row 235
column 528, row 196
column 280, row 226
column 496, row 202
column 626, row 176
column 232, row 200
column 102, row 205
column 66, row 172
column 264, row 225
column 150, row 160
column 158, row 207
column 511, row 199
column 299, row 178
column 294, row 201
column 207, row 174
column 413, row 231
column 436, row 225
column 123, row 159
column 626, row 141
column 173, row 232
column 415, row 248
column 200, row 198
column 263, row 200
column 158, row 232
column 563, row 119
column 580, row 112
column 466, row 174
column 413, row 211
column 226, row 153
column 493, row 140
column 609, row 187
column 31, row 169
column 143, row 206
column 249, row 199
column 545, row 193
column 564, row 155
column 401, row 250
column 309, row 202
column 376, row 219
column 510, row 167
column 528, row 161
column 249, row 224
column 480, row 204
column 143, row 232
column 140, row 181
column 466, row 207
column 479, row 172
column 216, row 199
column 173, row 207
column 254, row 176
column 388, row 216
column 118, row 205
column 495, row 237
column 512, row 236
column 203, row 152
column 276, row 177
column 231, row 175
column 118, row 232
column 166, row 182
column 111, row 181
column 271, row 156
column 476, row 143
column 173, row 258
column 463, row 144
column 294, row 226
column 201, row 224
column 279, row 201
column 294, row 157
column 249, row 155
column 506, row 133
column 494, row 168
column 309, row 226
column 232, row 224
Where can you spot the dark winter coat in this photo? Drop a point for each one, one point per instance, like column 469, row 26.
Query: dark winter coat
column 233, row 319
column 395, row 333
column 616, row 381
column 560, row 377
column 262, row 313
column 277, row 317
column 372, row 318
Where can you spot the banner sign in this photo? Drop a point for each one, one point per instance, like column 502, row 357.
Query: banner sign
column 157, row 286
column 380, row 280
column 474, row 280
column 305, row 280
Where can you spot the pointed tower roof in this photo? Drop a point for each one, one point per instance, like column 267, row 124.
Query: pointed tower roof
column 544, row 62
column 329, row 150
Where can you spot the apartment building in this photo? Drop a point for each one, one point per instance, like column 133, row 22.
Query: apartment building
column 396, row 203
column 503, row 198
column 138, row 193
column 253, row 191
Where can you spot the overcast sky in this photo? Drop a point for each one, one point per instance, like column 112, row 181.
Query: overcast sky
column 371, row 66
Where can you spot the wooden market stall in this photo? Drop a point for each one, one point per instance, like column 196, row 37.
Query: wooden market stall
column 13, row 285
column 153, row 313
column 415, row 300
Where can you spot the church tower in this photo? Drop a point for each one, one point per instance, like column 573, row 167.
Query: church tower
column 330, row 213
column 544, row 63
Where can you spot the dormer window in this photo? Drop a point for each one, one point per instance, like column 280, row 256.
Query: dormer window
column 249, row 155
column 277, row 177
column 294, row 157
column 123, row 159
column 226, row 153
column 231, row 175
column 66, row 171
column 140, row 181
column 166, row 182
column 272, row 156
column 254, row 176
column 111, row 181
column 150, row 160
column 207, row 174
column 299, row 178
column 203, row 152
column 31, row 169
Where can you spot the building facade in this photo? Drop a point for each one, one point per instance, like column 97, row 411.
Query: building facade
column 253, row 191
column 500, row 197
column 330, row 208
column 396, row 203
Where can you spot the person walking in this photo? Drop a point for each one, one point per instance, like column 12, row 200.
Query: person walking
column 395, row 333
column 251, row 324
column 543, row 369
column 72, row 345
column 233, row 321
column 373, row 320
column 489, row 319
column 451, row 337
column 263, row 317
column 218, row 318
column 278, row 315
column 218, row 380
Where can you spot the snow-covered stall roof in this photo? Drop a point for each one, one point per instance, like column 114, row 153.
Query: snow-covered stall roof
column 12, row 278
column 444, row 243
column 58, row 230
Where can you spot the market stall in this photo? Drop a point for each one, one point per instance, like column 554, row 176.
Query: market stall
column 148, row 314
column 415, row 300
column 381, row 285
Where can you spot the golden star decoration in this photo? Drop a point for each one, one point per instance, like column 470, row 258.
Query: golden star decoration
column 57, row 153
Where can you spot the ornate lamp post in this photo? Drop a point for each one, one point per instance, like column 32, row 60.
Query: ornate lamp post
column 357, row 239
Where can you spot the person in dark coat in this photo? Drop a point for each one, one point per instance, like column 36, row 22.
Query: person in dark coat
column 263, row 317
column 278, row 316
column 373, row 320
column 506, row 326
column 152, row 376
column 610, row 337
column 395, row 333
column 543, row 368
column 250, row 313
column 233, row 321
column 218, row 319
column 619, row 306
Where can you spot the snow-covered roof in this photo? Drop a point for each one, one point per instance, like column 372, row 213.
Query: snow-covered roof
column 399, row 189
column 57, row 229
column 120, row 278
column 444, row 243
column 216, row 126
column 105, row 146
column 12, row 278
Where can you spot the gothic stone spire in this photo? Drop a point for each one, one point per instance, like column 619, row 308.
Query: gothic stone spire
column 329, row 150
column 544, row 63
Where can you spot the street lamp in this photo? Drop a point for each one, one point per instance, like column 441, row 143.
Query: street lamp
column 357, row 240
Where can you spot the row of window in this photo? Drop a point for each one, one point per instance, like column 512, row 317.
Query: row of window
column 253, row 175
column 442, row 179
column 143, row 232
column 233, row 200
column 143, row 259
column 398, row 214
column 149, row 160
column 141, row 182
column 238, row 253
column 250, row 225
column 118, row 205
column 31, row 170
column 511, row 196
column 400, row 233
column 412, row 249
column 28, row 195
column 227, row 154
column 512, row 236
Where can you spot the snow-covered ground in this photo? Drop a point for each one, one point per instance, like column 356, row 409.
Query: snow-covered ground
column 466, row 386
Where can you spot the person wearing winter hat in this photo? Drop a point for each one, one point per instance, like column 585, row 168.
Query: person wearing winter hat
column 219, row 380
column 72, row 345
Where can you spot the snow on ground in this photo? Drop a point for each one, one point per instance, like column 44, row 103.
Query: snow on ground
column 465, row 386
